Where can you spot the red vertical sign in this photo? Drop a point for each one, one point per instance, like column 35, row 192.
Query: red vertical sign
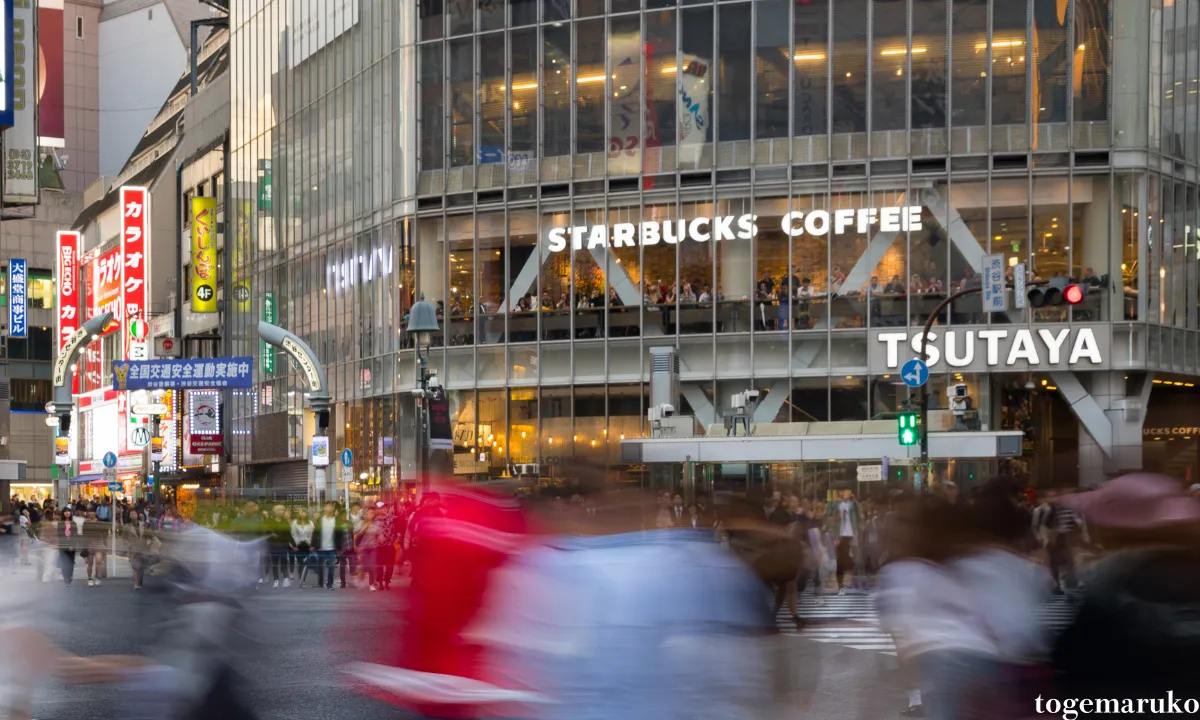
column 68, row 286
column 68, row 291
column 134, row 253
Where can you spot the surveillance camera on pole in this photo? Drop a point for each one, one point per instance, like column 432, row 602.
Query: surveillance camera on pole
column 64, row 401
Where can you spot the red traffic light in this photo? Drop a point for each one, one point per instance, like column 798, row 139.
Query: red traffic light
column 1073, row 294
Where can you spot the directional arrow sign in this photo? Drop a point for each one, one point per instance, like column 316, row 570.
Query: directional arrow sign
column 915, row 373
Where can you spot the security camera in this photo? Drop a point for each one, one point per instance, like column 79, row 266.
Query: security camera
column 434, row 382
column 418, row 392
column 958, row 390
column 668, row 409
column 752, row 395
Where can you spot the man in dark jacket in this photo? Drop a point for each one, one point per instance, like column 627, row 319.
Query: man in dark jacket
column 330, row 537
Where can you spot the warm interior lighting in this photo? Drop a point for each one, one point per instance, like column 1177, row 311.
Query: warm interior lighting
column 523, row 86
column 1000, row 43
column 583, row 79
column 803, row 57
column 902, row 51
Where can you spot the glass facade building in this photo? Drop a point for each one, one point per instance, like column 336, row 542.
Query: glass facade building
column 765, row 186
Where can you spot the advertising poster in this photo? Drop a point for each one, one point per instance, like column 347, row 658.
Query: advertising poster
column 320, row 450
column 20, row 140
column 241, row 256
column 204, row 424
column 135, row 251
column 18, row 289
column 440, row 437
column 694, row 114
column 51, row 119
column 266, row 351
column 204, row 255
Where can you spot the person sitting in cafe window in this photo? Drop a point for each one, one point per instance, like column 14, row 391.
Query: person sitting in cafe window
column 895, row 287
column 916, row 285
column 1089, row 278
column 455, row 307
column 688, row 295
column 705, row 295
column 547, row 303
column 874, row 288
column 564, row 303
column 653, row 293
column 614, row 300
column 766, row 280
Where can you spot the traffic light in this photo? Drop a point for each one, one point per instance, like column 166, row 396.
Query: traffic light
column 908, row 428
column 1059, row 291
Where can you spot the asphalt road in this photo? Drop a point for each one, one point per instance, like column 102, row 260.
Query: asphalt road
column 310, row 633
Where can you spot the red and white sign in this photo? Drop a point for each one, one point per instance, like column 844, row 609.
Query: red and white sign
column 68, row 285
column 105, row 289
column 135, row 211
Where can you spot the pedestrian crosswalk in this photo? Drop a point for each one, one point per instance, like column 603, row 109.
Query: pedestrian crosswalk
column 852, row 620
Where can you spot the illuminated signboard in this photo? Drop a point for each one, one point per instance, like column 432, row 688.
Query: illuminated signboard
column 135, row 251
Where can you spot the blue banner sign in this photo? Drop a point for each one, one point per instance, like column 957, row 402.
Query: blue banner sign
column 200, row 373
column 18, row 286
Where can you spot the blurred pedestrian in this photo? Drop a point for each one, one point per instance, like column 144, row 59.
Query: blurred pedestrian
column 367, row 540
column 69, row 542
column 301, row 549
column 279, row 540
column 1135, row 634
column 137, row 546
column 388, row 535
column 845, row 517
column 329, row 536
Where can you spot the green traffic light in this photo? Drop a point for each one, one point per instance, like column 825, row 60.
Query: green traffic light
column 908, row 429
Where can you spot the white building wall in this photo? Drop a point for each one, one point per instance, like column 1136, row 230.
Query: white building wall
column 142, row 57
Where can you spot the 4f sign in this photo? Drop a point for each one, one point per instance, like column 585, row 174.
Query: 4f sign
column 135, row 211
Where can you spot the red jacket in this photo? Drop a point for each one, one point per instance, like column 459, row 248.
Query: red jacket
column 432, row 669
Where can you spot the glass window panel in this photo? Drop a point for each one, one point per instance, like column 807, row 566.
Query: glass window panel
column 1150, row 236
column 556, row 433
column 590, row 84
column 929, row 64
column 696, row 275
column 491, row 429
column 555, row 283
column 491, row 14
column 774, row 285
column 461, row 300
column 588, row 8
column 1050, row 240
column 522, row 250
column 970, row 63
column 524, row 12
column 625, row 110
column 432, row 19
column 591, row 424
column 658, row 263
column 1192, row 82
column 433, row 107
column 555, row 10
column 695, row 85
column 523, row 132
column 1129, row 189
column 1092, row 60
column 556, row 97
column 523, row 425
column 1051, row 55
column 849, row 308
column 431, row 263
column 462, row 16
column 811, row 63
column 624, row 272
column 492, row 98
column 1185, row 14
column 661, row 78
column 734, row 76
column 462, row 102
column 889, row 66
column 490, row 261
column 1167, row 63
column 1178, row 230
column 810, row 265
column 850, row 66
column 587, row 286
column 772, row 69
column 735, row 275
column 888, row 285
column 1008, row 81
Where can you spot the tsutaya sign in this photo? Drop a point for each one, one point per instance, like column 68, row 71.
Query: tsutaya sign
column 817, row 223
column 1054, row 346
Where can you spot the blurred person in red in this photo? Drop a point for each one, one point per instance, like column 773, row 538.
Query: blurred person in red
column 461, row 535
column 1137, row 630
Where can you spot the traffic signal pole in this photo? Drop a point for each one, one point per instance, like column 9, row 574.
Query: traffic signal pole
column 924, row 399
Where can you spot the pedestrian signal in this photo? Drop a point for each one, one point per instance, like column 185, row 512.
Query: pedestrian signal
column 909, row 429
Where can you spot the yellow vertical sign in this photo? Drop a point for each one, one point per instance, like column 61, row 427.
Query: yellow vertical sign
column 204, row 255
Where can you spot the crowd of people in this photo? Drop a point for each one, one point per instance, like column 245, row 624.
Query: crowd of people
column 365, row 545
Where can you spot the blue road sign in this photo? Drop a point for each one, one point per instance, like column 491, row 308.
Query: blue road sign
column 114, row 487
column 347, row 458
column 110, row 459
column 915, row 373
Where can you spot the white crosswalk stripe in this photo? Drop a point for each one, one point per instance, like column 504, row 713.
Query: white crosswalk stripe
column 852, row 620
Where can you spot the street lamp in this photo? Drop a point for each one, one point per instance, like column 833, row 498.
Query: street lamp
column 422, row 324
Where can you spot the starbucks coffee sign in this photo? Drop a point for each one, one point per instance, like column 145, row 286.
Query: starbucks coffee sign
column 1054, row 347
column 817, row 223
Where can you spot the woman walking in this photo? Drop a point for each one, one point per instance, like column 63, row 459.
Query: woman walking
column 24, row 535
column 137, row 545
column 368, row 540
column 302, row 533
column 68, row 543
